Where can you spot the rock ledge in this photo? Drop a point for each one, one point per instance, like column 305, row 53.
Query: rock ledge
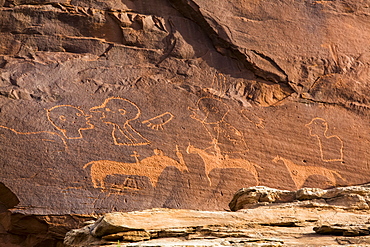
column 267, row 217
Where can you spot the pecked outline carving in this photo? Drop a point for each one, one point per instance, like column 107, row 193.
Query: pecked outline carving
column 300, row 174
column 122, row 133
column 211, row 113
column 157, row 122
column 150, row 167
column 219, row 161
column 323, row 122
column 57, row 119
column 40, row 135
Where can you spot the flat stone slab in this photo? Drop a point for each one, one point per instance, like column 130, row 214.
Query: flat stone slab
column 284, row 223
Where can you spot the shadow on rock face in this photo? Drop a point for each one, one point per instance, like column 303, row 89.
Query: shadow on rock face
column 7, row 198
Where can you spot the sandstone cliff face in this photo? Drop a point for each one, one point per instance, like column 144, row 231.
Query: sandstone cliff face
column 126, row 105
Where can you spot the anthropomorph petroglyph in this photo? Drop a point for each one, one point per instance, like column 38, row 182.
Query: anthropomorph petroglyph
column 119, row 113
column 331, row 147
column 299, row 174
column 211, row 113
column 159, row 121
column 213, row 161
column 253, row 118
column 150, row 167
column 69, row 120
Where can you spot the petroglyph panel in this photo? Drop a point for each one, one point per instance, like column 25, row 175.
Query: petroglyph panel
column 178, row 107
column 123, row 151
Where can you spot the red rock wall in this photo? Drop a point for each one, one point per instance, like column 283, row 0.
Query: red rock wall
column 126, row 105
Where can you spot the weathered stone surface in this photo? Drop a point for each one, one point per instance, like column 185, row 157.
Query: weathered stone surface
column 355, row 197
column 37, row 230
column 130, row 236
column 343, row 230
column 127, row 105
column 259, row 194
column 309, row 193
column 351, row 240
column 270, row 224
column 80, row 237
column 291, row 42
column 351, row 200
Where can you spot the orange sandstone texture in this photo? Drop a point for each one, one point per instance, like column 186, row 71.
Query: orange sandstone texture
column 128, row 105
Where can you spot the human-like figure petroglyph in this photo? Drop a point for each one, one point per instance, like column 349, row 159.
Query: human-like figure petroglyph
column 150, row 167
column 299, row 174
column 219, row 161
column 159, row 121
column 56, row 141
column 69, row 120
column 331, row 147
column 211, row 113
column 253, row 118
column 119, row 112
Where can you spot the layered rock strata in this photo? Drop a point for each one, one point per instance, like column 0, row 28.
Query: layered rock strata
column 19, row 230
column 353, row 197
column 307, row 217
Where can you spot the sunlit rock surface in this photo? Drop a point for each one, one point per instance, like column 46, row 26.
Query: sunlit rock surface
column 127, row 105
column 307, row 217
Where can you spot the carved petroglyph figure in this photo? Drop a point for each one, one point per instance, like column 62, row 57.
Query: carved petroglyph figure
column 57, row 142
column 219, row 161
column 331, row 147
column 119, row 112
column 69, row 120
column 211, row 113
column 253, row 118
column 159, row 121
column 150, row 167
column 299, row 174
